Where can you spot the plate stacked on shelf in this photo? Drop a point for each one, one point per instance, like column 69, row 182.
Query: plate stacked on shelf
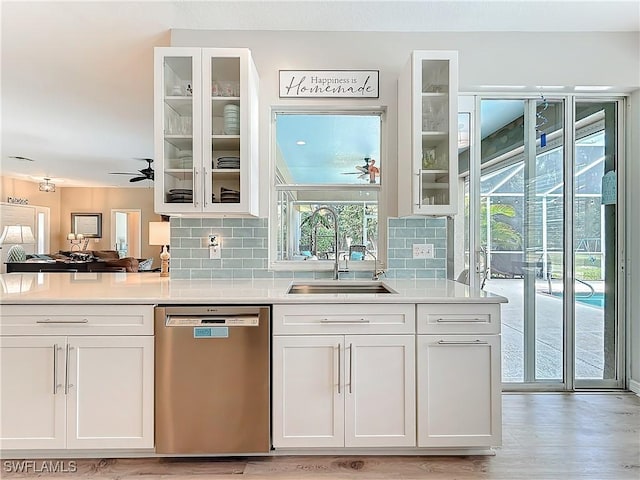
column 228, row 162
column 228, row 195
column 184, row 160
column 180, row 195
column 231, row 116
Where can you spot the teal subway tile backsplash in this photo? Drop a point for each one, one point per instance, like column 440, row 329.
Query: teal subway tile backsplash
column 244, row 252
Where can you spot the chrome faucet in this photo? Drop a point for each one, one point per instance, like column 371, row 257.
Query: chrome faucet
column 335, row 236
column 376, row 271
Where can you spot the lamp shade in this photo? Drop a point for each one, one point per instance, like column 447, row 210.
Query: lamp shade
column 17, row 234
column 159, row 233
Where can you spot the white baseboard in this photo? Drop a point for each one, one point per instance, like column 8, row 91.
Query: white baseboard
column 634, row 386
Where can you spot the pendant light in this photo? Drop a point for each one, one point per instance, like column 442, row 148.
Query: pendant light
column 46, row 186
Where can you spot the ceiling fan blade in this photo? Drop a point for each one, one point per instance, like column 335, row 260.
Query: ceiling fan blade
column 122, row 173
column 18, row 157
column 137, row 179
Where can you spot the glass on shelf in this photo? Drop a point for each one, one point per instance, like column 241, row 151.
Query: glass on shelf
column 432, row 197
column 225, row 88
column 179, row 125
column 434, row 116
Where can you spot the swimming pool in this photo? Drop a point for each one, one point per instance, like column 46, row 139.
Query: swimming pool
column 595, row 300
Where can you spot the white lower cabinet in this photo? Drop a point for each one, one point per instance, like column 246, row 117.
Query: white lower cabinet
column 32, row 411
column 76, row 391
column 343, row 391
column 110, row 399
column 459, row 391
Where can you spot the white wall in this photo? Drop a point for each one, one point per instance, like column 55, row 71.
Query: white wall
column 529, row 59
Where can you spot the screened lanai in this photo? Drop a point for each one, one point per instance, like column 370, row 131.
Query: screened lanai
column 502, row 208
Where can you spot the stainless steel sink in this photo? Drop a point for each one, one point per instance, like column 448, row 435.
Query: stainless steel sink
column 313, row 288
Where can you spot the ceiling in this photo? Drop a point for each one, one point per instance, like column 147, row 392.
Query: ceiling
column 77, row 80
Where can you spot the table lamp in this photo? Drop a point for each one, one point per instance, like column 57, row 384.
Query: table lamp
column 17, row 235
column 160, row 234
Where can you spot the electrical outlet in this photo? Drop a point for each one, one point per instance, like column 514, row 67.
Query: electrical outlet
column 214, row 247
column 423, row 250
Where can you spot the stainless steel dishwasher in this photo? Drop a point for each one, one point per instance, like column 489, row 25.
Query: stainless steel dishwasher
column 212, row 379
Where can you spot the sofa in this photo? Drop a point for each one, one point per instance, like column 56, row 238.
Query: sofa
column 111, row 259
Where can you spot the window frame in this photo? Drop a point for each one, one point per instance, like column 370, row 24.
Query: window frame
column 321, row 266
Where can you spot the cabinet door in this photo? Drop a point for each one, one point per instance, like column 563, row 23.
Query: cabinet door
column 32, row 399
column 178, row 128
column 110, row 385
column 229, row 124
column 428, row 141
column 308, row 391
column 459, row 397
column 380, row 391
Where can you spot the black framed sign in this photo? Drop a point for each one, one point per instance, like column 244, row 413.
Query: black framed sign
column 88, row 224
column 329, row 83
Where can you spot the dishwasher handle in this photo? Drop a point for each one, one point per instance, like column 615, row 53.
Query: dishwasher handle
column 223, row 320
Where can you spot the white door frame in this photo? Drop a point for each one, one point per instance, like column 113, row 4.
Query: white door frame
column 127, row 211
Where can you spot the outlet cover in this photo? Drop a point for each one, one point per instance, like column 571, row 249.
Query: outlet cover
column 423, row 250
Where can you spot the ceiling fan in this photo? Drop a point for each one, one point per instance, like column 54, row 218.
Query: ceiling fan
column 144, row 174
column 367, row 170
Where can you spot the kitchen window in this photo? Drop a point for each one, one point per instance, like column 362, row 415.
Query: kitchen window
column 326, row 159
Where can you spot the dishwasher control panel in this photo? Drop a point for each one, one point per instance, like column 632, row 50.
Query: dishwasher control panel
column 204, row 320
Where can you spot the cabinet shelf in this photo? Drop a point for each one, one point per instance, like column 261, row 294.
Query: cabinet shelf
column 435, row 135
column 181, row 142
column 180, row 173
column 220, row 98
column 219, row 172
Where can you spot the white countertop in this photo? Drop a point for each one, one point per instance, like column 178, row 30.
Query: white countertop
column 149, row 288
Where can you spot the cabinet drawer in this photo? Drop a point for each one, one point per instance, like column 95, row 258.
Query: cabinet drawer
column 344, row 318
column 458, row 318
column 77, row 320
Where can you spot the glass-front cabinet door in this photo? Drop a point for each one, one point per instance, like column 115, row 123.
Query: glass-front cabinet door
column 206, row 131
column 177, row 126
column 428, row 134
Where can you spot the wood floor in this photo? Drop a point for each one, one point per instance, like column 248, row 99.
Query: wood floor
column 546, row 437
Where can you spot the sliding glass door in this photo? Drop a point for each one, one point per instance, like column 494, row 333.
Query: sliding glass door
column 596, row 232
column 542, row 221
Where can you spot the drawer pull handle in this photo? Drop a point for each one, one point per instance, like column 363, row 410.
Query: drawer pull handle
column 48, row 320
column 459, row 320
column 362, row 320
column 460, row 342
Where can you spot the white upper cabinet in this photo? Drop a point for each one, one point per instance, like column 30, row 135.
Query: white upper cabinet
column 206, row 131
column 427, row 134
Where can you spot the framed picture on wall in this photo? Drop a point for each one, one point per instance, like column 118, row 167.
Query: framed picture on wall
column 88, row 224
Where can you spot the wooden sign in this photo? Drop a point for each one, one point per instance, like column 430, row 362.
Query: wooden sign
column 329, row 84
